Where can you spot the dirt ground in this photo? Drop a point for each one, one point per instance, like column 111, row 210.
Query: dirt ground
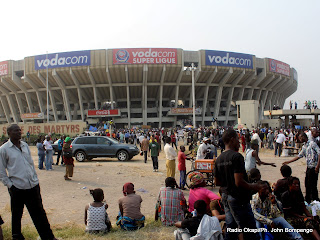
column 64, row 201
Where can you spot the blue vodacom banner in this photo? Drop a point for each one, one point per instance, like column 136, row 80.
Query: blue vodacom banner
column 228, row 59
column 64, row 59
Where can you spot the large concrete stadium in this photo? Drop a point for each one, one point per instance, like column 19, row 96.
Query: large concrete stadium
column 145, row 86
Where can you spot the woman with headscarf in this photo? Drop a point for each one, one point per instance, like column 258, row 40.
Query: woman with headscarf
column 67, row 158
column 172, row 203
column 130, row 216
column 198, row 192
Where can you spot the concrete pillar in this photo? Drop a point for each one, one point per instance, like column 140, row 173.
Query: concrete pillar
column 316, row 120
column 128, row 96
column 286, row 121
column 95, row 93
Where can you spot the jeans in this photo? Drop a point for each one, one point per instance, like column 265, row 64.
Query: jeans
column 58, row 157
column 278, row 149
column 155, row 162
column 41, row 160
column 183, row 176
column 270, row 144
column 238, row 215
column 280, row 222
column 33, row 201
column 311, row 183
column 49, row 159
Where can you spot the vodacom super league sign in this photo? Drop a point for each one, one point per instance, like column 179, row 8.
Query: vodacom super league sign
column 145, row 56
column 279, row 67
column 3, row 68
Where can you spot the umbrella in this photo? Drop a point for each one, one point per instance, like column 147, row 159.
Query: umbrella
column 188, row 126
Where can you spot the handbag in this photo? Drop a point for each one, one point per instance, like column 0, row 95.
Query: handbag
column 67, row 154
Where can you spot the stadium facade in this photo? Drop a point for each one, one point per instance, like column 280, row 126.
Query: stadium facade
column 140, row 86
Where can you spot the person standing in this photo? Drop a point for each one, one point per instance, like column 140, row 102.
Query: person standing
column 145, row 148
column 231, row 176
column 60, row 145
column 247, row 136
column 252, row 157
column 182, row 166
column 155, row 150
column 67, row 158
column 311, row 152
column 171, row 155
column 49, row 152
column 41, row 153
column 279, row 141
column 202, row 150
column 17, row 172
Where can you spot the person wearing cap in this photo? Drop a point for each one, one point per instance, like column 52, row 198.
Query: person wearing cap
column 67, row 158
column 202, row 150
column 252, row 157
column 130, row 216
column 199, row 192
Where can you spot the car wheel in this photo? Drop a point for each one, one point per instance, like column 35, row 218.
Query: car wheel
column 80, row 156
column 123, row 155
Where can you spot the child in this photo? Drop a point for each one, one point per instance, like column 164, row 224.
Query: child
column 282, row 184
column 96, row 217
column 182, row 167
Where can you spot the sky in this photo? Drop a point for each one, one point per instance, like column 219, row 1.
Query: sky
column 284, row 30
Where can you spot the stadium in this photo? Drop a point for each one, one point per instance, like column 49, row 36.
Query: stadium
column 140, row 86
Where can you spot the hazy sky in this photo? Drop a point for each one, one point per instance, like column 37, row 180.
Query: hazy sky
column 288, row 31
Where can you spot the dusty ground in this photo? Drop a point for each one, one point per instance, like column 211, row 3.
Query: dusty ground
column 64, row 201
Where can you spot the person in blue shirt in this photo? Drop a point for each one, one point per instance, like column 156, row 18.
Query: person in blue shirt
column 60, row 144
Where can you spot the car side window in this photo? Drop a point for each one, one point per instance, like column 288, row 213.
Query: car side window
column 90, row 140
column 103, row 141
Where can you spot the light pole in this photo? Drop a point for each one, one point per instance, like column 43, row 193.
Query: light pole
column 193, row 96
column 47, row 89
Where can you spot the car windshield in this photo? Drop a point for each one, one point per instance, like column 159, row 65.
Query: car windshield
column 113, row 140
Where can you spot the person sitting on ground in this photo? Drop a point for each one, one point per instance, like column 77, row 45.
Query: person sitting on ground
column 217, row 210
column 254, row 175
column 182, row 166
column 95, row 216
column 67, row 158
column 1, row 222
column 295, row 211
column 172, row 203
column 199, row 192
column 191, row 227
column 130, row 216
column 252, row 157
column 266, row 210
column 282, row 184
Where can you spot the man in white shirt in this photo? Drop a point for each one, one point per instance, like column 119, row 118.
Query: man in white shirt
column 17, row 172
column 49, row 152
column 171, row 155
column 202, row 150
column 281, row 138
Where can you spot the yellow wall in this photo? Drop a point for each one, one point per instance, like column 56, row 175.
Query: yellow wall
column 67, row 128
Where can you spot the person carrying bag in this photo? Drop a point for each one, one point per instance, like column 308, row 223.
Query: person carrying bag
column 67, row 158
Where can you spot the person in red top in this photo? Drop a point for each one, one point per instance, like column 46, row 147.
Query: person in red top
column 243, row 142
column 182, row 166
column 173, row 140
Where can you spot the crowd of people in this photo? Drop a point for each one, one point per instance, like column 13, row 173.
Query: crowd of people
column 245, row 200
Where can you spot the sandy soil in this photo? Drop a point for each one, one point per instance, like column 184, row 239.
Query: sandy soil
column 65, row 201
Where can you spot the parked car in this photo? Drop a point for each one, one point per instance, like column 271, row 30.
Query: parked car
column 89, row 147
column 55, row 146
